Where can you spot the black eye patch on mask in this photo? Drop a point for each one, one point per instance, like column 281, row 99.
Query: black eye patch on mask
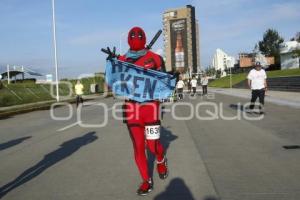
column 132, row 35
column 141, row 35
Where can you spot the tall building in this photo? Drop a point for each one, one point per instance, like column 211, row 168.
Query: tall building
column 181, row 40
column 221, row 61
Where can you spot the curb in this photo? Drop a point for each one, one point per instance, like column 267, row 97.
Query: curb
column 41, row 106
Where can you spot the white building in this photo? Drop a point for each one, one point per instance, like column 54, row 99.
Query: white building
column 287, row 58
column 221, row 61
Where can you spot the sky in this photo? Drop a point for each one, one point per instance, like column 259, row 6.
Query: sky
column 86, row 26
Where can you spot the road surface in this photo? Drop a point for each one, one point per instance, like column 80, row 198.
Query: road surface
column 221, row 158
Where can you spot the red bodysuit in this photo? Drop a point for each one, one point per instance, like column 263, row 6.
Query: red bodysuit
column 138, row 115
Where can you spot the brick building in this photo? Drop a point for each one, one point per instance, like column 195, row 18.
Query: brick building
column 247, row 60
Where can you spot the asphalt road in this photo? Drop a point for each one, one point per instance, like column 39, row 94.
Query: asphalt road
column 226, row 154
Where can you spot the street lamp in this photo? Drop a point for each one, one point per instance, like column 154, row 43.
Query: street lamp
column 8, row 75
column 230, row 78
column 55, row 52
column 229, row 65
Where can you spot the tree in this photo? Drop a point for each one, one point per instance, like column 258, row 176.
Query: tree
column 296, row 53
column 218, row 73
column 297, row 37
column 210, row 71
column 269, row 46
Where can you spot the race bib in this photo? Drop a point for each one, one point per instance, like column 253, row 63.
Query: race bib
column 152, row 132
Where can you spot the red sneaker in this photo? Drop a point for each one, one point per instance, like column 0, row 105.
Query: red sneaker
column 145, row 188
column 162, row 168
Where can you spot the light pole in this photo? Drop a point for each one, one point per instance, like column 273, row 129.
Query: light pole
column 230, row 78
column 55, row 52
column 8, row 79
column 229, row 65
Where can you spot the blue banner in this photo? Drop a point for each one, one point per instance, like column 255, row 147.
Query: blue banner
column 136, row 83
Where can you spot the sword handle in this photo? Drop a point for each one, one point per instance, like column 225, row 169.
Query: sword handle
column 149, row 46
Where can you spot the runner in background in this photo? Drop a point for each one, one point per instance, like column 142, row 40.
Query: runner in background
column 204, row 83
column 179, row 87
column 194, row 85
column 79, row 93
column 189, row 85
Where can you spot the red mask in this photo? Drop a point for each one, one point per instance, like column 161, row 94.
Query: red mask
column 136, row 39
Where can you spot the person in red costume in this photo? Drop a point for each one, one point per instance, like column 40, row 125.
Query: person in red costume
column 143, row 119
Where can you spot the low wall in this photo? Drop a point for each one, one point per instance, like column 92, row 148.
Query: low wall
column 291, row 83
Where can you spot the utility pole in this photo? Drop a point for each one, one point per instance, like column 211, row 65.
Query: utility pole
column 55, row 51
column 230, row 78
column 22, row 73
column 8, row 75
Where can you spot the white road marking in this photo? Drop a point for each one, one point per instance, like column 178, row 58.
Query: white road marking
column 67, row 127
column 89, row 103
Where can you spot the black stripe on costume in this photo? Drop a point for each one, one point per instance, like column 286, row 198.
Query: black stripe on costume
column 153, row 123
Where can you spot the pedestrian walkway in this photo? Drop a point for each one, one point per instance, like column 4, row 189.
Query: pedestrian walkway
column 291, row 99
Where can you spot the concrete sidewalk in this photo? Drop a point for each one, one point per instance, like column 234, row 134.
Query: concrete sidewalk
column 291, row 99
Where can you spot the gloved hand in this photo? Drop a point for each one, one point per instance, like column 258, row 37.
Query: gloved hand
column 111, row 54
column 175, row 74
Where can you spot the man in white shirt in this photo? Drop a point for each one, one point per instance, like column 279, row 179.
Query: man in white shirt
column 257, row 82
column 204, row 83
column 194, row 85
column 180, row 86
